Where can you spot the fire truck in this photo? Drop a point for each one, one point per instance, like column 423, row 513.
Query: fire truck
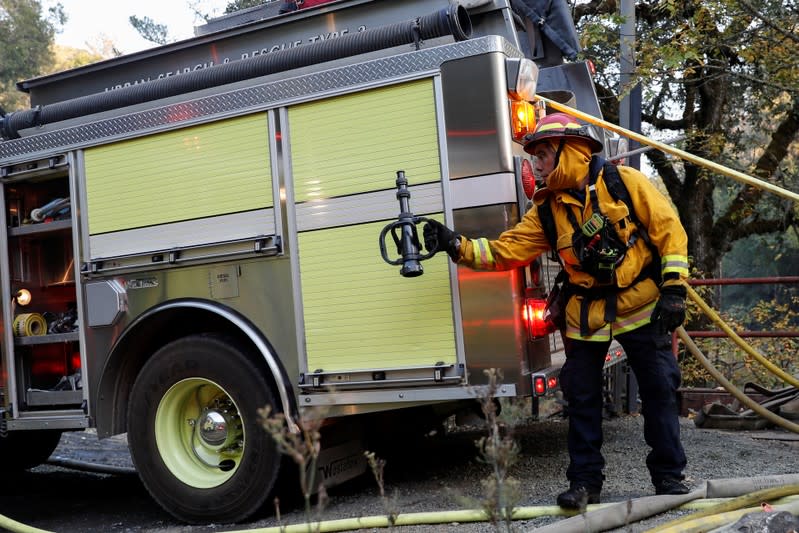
column 191, row 233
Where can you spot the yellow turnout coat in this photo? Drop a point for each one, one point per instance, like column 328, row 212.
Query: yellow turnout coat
column 635, row 297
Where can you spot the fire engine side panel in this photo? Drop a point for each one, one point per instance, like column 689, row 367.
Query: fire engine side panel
column 359, row 314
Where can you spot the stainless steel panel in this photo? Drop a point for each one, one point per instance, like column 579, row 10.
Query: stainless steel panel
column 477, row 116
column 266, row 313
column 491, row 302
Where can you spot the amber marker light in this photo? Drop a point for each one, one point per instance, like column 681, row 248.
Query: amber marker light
column 522, row 118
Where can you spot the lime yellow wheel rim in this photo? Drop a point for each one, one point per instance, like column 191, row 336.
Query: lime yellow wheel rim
column 199, row 433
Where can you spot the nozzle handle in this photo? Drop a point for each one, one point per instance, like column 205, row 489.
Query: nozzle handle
column 405, row 235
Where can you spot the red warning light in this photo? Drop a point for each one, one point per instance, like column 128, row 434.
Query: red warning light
column 539, row 385
column 528, row 179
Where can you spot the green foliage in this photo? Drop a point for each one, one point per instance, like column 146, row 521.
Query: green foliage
column 26, row 37
column 149, row 29
column 773, row 255
column 738, row 366
column 723, row 73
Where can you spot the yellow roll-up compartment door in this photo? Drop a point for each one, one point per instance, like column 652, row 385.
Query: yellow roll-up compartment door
column 359, row 313
column 190, row 186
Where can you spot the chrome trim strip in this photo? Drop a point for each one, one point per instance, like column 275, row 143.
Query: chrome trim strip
column 263, row 245
column 222, row 228
column 79, row 226
column 388, row 382
column 8, row 362
column 384, row 369
column 484, row 190
column 83, row 202
column 337, row 397
column 67, row 419
column 293, row 241
column 449, row 219
column 367, row 207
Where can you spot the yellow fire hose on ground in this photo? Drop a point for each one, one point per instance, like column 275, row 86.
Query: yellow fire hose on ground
column 739, row 506
column 599, row 517
column 422, row 518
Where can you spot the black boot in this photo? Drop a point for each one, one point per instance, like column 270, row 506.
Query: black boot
column 670, row 485
column 578, row 496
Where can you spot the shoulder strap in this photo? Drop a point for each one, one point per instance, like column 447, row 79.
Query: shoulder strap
column 548, row 224
column 618, row 190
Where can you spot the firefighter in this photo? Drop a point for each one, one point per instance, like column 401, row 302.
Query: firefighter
column 626, row 273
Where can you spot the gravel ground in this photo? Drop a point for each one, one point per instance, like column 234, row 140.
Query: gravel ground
column 436, row 473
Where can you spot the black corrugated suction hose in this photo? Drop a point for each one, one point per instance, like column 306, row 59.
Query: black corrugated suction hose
column 453, row 20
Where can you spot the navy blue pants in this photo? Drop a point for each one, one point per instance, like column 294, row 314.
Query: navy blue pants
column 650, row 357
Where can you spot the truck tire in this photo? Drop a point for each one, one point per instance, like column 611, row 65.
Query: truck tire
column 194, row 432
column 28, row 449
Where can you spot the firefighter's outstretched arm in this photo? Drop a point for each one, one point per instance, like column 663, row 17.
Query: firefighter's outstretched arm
column 514, row 248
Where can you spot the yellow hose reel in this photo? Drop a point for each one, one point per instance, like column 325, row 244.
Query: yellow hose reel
column 29, row 325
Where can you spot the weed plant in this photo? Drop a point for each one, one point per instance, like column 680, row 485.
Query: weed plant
column 303, row 448
column 499, row 450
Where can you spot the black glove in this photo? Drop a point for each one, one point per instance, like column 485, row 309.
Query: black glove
column 669, row 312
column 438, row 237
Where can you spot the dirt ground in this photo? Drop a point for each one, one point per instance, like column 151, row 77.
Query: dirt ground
column 433, row 474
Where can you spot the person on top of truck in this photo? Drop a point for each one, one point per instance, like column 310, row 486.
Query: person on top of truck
column 626, row 270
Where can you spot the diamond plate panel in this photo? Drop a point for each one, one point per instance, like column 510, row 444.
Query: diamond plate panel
column 250, row 98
